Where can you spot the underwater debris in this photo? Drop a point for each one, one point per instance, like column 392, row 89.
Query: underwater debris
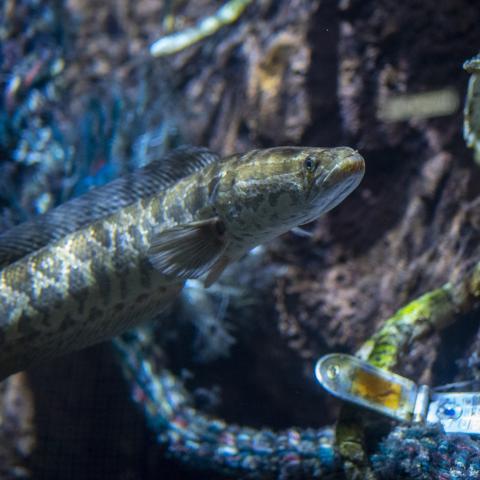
column 277, row 83
column 436, row 103
column 17, row 428
column 207, row 314
column 427, row 453
column 31, row 62
column 227, row 305
column 175, row 42
column 225, row 93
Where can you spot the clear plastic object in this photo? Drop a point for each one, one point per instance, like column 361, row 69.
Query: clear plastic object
column 358, row 382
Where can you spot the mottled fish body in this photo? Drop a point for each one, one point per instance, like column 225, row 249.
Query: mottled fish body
column 116, row 257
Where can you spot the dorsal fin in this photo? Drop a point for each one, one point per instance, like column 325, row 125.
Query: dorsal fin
column 101, row 202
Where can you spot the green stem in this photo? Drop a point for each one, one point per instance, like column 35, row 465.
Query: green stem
column 433, row 310
column 176, row 42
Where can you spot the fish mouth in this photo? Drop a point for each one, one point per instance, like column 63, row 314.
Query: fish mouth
column 353, row 164
column 349, row 168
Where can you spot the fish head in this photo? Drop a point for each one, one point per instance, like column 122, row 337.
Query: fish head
column 329, row 176
column 267, row 192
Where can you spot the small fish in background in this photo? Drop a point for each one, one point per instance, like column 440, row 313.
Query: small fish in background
column 117, row 256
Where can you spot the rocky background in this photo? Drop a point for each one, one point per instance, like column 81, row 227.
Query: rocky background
column 90, row 103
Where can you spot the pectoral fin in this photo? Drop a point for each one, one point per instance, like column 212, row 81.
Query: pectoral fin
column 217, row 269
column 190, row 250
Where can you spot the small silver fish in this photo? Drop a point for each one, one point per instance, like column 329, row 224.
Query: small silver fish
column 117, row 256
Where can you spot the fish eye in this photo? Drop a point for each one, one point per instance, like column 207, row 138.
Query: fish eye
column 310, row 164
